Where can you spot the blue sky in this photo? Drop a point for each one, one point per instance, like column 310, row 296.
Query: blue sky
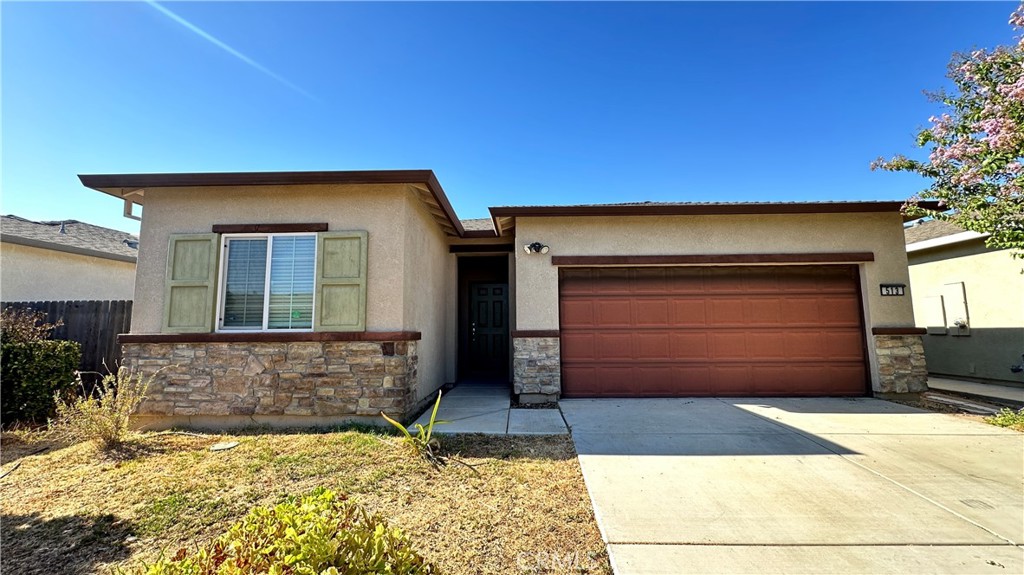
column 510, row 104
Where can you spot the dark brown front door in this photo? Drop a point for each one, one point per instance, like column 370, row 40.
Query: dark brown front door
column 711, row 331
column 488, row 329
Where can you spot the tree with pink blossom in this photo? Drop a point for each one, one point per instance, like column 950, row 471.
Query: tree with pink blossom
column 976, row 163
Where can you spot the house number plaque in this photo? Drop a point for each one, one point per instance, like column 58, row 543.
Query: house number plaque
column 893, row 289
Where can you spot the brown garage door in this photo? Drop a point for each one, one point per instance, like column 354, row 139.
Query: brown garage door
column 711, row 331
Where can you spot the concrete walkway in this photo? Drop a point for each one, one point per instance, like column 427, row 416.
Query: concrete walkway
column 799, row 486
column 993, row 391
column 486, row 408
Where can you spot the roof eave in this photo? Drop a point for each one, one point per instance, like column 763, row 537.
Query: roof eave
column 951, row 239
column 120, row 185
column 703, row 209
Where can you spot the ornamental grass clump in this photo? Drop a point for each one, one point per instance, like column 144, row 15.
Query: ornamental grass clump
column 427, row 446
column 318, row 534
column 103, row 414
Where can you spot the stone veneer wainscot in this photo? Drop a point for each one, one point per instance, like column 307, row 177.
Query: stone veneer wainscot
column 901, row 364
column 536, row 368
column 309, row 378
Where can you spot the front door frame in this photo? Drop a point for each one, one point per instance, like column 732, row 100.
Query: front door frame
column 484, row 269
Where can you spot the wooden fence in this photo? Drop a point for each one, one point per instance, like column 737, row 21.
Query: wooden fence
column 93, row 324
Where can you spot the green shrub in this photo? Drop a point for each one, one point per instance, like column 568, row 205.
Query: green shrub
column 21, row 324
column 1008, row 418
column 31, row 372
column 319, row 534
column 103, row 415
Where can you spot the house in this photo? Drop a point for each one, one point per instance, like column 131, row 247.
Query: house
column 970, row 298
column 314, row 297
column 65, row 260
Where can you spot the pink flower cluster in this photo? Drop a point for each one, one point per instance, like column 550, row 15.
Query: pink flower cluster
column 1014, row 91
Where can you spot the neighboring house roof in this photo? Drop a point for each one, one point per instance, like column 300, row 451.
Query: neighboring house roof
column 922, row 230
column 71, row 236
column 925, row 234
column 132, row 187
column 477, row 224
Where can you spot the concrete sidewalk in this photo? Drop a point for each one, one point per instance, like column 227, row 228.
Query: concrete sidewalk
column 991, row 391
column 799, row 486
column 486, row 408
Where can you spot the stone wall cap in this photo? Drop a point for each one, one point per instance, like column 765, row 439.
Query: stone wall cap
column 268, row 337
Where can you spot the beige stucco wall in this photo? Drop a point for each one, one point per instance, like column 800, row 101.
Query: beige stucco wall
column 380, row 210
column 407, row 260
column 426, row 287
column 536, row 279
column 36, row 274
column 994, row 288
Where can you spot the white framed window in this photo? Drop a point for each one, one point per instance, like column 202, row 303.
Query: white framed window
column 267, row 282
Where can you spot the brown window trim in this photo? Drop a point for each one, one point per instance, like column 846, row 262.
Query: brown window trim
column 480, row 248
column 268, row 337
column 268, row 228
column 840, row 257
column 536, row 333
column 898, row 331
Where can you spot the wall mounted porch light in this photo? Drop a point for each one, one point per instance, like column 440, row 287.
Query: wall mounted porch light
column 535, row 248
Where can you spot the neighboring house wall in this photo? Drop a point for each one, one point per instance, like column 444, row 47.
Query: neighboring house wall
column 36, row 274
column 880, row 233
column 994, row 288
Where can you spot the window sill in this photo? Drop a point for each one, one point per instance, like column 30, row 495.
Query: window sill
column 268, row 337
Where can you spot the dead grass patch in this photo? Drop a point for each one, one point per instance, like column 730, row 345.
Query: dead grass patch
column 78, row 510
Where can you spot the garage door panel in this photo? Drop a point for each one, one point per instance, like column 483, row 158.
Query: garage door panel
column 652, row 280
column 613, row 313
column 846, row 379
column 763, row 311
column 839, row 310
column 652, row 346
column 757, row 330
column 583, row 378
column 656, row 380
column 764, row 345
column 579, row 313
column 692, row 380
column 800, row 310
column 652, row 312
column 760, row 281
column 726, row 311
column 690, row 345
column 687, row 281
column 844, row 345
column 578, row 345
column 804, row 345
column 613, row 345
column 689, row 312
column 772, row 380
column 728, row 345
column 731, row 380
column 617, row 381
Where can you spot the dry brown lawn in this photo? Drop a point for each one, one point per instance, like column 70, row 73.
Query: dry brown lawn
column 75, row 509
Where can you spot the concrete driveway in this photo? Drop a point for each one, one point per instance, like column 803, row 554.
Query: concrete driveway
column 799, row 486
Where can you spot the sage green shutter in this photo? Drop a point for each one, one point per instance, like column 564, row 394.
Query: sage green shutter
column 340, row 282
column 190, row 293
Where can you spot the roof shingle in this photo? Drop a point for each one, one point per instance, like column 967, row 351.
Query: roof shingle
column 929, row 230
column 71, row 235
